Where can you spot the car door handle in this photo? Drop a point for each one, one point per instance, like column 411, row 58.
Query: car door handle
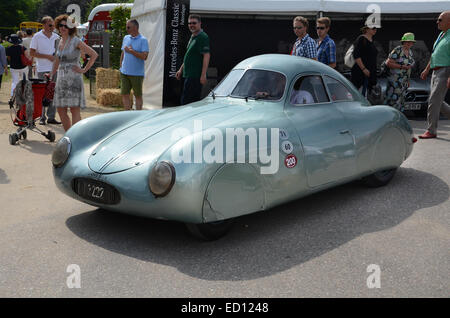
column 343, row 132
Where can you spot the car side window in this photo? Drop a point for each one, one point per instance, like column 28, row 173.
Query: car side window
column 337, row 90
column 309, row 90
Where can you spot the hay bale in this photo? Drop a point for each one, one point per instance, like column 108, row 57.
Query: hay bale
column 110, row 97
column 107, row 78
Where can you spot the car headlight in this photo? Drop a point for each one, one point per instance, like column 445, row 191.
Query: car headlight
column 61, row 152
column 161, row 178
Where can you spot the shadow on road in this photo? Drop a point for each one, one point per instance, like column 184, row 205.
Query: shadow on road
column 4, row 177
column 43, row 147
column 266, row 243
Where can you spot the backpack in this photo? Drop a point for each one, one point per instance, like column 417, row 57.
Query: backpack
column 349, row 60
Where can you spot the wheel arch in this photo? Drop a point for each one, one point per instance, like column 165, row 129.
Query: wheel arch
column 389, row 150
column 234, row 190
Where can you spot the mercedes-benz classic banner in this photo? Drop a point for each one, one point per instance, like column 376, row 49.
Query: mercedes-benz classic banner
column 177, row 38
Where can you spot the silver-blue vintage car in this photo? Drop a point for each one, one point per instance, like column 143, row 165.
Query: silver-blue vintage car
column 277, row 128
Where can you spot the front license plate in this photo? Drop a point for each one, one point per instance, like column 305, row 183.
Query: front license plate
column 96, row 191
column 413, row 106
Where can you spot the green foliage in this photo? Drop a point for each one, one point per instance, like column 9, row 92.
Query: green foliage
column 55, row 8
column 16, row 11
column 119, row 17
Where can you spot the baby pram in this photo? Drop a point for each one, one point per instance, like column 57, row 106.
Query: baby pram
column 26, row 107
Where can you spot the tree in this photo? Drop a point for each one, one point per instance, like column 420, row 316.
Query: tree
column 119, row 17
column 54, row 8
column 16, row 11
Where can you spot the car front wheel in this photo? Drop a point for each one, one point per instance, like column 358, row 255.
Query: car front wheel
column 210, row 231
column 379, row 178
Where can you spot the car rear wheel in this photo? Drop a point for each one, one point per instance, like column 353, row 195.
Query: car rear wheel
column 210, row 231
column 379, row 178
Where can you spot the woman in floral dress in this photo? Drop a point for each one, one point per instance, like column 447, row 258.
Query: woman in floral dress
column 69, row 88
column 399, row 62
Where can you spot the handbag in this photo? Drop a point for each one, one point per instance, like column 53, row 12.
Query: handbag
column 25, row 60
column 49, row 93
column 384, row 69
column 349, row 59
column 375, row 96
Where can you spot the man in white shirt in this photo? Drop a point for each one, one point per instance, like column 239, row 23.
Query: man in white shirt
column 43, row 49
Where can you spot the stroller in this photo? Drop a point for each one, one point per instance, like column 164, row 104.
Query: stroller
column 26, row 107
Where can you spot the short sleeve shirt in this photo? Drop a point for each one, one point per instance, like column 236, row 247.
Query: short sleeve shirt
column 441, row 51
column 400, row 57
column 131, row 65
column 14, row 52
column 193, row 59
column 306, row 47
column 326, row 51
column 44, row 45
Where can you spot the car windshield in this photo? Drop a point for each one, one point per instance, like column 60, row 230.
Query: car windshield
column 252, row 83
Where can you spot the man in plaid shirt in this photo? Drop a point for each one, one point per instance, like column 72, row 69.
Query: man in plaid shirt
column 326, row 48
column 305, row 46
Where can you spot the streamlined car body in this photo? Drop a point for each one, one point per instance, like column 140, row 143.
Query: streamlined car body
column 276, row 129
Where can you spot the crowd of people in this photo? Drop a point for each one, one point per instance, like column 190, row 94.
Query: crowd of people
column 57, row 56
column 399, row 64
column 54, row 56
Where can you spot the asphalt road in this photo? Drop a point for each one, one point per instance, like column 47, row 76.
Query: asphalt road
column 319, row 246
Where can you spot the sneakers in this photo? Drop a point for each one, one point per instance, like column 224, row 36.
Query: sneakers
column 427, row 135
column 42, row 122
column 53, row 121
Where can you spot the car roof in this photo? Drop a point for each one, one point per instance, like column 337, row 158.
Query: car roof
column 287, row 64
column 291, row 66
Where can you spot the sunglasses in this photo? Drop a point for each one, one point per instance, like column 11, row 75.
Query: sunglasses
column 320, row 28
column 63, row 25
column 50, row 25
column 298, row 28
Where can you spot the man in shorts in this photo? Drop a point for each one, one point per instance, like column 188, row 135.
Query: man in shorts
column 132, row 61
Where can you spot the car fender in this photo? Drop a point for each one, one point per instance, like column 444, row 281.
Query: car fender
column 234, row 190
column 389, row 150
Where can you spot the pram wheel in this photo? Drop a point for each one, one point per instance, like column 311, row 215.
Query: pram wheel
column 22, row 134
column 50, row 136
column 13, row 139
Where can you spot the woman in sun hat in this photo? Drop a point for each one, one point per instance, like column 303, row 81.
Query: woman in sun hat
column 399, row 62
column 18, row 69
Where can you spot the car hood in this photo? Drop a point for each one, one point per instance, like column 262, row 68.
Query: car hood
column 416, row 84
column 147, row 139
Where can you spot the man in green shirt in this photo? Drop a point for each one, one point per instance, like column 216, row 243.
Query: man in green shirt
column 196, row 61
column 440, row 64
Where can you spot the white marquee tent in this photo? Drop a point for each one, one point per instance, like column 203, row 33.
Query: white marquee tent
column 152, row 19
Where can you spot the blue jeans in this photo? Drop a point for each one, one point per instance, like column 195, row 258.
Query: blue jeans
column 192, row 90
column 51, row 110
